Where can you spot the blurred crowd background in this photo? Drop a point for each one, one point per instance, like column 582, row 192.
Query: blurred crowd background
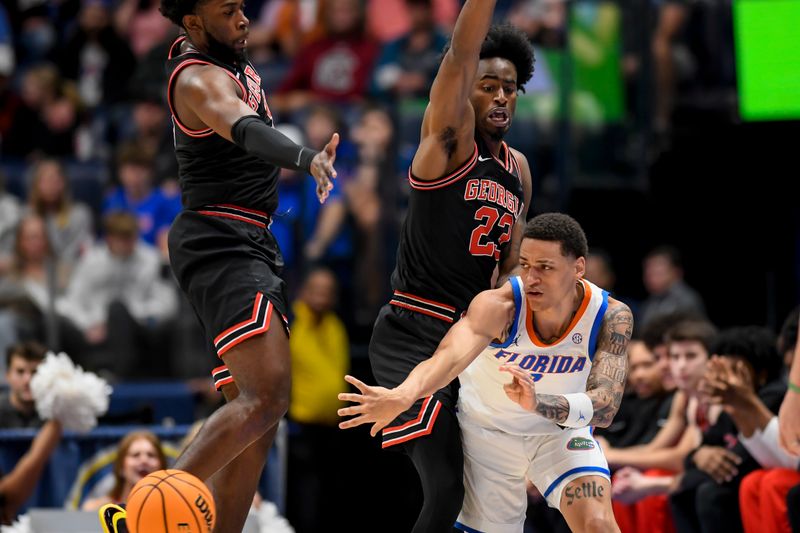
column 667, row 128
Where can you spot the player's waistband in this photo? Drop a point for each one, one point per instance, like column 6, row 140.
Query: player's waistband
column 251, row 216
column 426, row 306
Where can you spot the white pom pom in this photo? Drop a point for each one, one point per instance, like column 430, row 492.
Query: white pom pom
column 21, row 525
column 270, row 520
column 64, row 392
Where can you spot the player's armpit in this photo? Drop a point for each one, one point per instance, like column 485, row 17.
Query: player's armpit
column 606, row 382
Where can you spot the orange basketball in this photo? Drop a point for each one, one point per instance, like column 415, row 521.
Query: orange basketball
column 170, row 501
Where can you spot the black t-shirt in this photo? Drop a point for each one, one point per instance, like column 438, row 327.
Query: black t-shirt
column 638, row 420
column 11, row 418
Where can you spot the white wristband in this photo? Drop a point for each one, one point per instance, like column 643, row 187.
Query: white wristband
column 581, row 410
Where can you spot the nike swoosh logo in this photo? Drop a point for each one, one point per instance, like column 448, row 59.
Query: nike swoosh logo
column 483, row 158
column 297, row 163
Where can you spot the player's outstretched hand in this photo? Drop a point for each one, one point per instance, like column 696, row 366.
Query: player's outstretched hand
column 376, row 405
column 322, row 168
column 521, row 390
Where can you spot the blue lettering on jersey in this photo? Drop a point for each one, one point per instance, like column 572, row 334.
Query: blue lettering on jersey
column 538, row 365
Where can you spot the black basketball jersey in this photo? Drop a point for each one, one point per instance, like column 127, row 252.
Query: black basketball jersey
column 456, row 229
column 211, row 169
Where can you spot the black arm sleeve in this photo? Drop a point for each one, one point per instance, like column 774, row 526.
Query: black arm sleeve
column 253, row 136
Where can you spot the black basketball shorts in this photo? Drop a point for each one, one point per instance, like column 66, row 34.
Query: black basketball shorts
column 407, row 332
column 228, row 263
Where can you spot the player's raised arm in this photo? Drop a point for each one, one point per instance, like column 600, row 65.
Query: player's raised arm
column 209, row 97
column 604, row 386
column 447, row 137
column 509, row 261
column 489, row 317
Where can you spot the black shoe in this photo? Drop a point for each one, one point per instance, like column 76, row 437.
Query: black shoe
column 112, row 518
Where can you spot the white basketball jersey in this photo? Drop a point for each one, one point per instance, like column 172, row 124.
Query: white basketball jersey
column 558, row 368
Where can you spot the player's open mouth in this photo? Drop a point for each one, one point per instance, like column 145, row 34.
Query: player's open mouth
column 241, row 44
column 500, row 117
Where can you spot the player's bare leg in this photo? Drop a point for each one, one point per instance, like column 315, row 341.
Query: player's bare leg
column 260, row 367
column 586, row 505
column 237, row 482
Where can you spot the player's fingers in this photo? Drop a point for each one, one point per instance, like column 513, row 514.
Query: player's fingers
column 363, row 387
column 351, row 410
column 330, row 148
column 351, row 397
column 353, row 422
column 732, row 458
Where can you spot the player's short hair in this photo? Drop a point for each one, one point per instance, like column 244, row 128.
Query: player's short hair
column 754, row 344
column 561, row 228
column 28, row 350
column 175, row 10
column 701, row 331
column 510, row 43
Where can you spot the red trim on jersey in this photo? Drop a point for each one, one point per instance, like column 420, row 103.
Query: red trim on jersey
column 188, row 131
column 422, row 310
column 411, row 422
column 432, row 302
column 234, row 217
column 253, row 320
column 246, row 210
column 175, row 43
column 445, row 180
column 421, row 433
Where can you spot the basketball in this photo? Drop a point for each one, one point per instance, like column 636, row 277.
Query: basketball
column 170, row 501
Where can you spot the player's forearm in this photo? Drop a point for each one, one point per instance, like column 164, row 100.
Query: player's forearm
column 640, row 457
column 255, row 137
column 457, row 350
column 556, row 407
column 471, row 29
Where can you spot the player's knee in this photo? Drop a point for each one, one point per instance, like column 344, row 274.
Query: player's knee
column 263, row 412
column 599, row 521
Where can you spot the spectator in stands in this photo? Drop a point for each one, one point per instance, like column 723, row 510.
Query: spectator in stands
column 17, row 409
column 388, row 20
column 136, row 194
column 667, row 291
column 285, row 26
column 18, row 485
column 33, row 276
column 707, row 498
column 672, row 15
column 141, row 24
column 320, row 353
column 96, row 58
column 654, row 335
column 47, row 120
column 151, row 130
column 374, row 184
column 327, row 235
column 69, row 224
column 599, row 269
column 121, row 302
column 647, row 471
column 336, row 68
column 407, row 66
column 10, row 212
column 138, row 454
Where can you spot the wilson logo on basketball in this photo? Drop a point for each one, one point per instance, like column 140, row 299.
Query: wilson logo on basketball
column 205, row 510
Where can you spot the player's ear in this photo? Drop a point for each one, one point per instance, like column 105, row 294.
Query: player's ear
column 192, row 22
column 580, row 267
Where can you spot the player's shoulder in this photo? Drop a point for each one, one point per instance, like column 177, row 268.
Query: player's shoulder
column 616, row 307
column 494, row 300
